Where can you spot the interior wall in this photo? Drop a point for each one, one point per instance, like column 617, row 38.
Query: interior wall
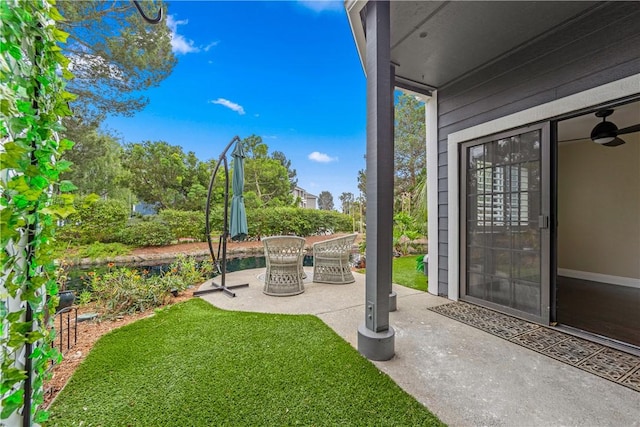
column 599, row 207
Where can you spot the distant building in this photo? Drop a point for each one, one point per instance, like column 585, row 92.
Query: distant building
column 305, row 200
column 312, row 201
column 143, row 208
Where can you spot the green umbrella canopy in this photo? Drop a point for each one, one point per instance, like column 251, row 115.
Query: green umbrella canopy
column 238, row 223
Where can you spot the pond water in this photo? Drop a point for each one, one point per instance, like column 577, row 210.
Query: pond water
column 79, row 278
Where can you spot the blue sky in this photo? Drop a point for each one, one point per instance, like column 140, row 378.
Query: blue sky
column 284, row 70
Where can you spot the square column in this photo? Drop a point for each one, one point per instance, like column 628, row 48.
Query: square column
column 376, row 336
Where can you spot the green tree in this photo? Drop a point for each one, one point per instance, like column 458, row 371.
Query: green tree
column 346, row 200
column 268, row 180
column 254, row 148
column 325, row 201
column 115, row 55
column 280, row 156
column 97, row 166
column 362, row 181
column 410, row 146
column 162, row 174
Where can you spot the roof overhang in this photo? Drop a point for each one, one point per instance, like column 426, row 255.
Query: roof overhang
column 434, row 44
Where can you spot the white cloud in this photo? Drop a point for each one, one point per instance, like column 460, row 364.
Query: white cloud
column 230, row 105
column 179, row 43
column 322, row 5
column 209, row 46
column 319, row 157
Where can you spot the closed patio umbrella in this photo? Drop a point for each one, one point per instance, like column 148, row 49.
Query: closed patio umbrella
column 238, row 224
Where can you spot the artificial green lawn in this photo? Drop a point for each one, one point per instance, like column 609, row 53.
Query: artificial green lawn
column 405, row 273
column 195, row 365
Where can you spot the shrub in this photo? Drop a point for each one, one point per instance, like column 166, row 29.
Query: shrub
column 185, row 271
column 185, row 224
column 125, row 291
column 103, row 250
column 95, row 220
column 149, row 231
column 85, row 298
column 405, row 231
column 298, row 221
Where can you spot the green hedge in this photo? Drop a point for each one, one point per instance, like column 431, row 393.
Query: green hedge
column 298, row 221
column 108, row 221
column 185, row 224
column 149, row 231
column 95, row 220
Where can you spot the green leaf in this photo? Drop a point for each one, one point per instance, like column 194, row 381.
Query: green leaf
column 66, row 144
column 35, row 336
column 39, row 182
column 24, row 106
column 15, row 52
column 67, row 186
column 55, row 15
column 11, row 403
column 67, row 74
column 60, row 35
column 41, row 416
column 67, row 96
column 11, row 375
column 15, row 316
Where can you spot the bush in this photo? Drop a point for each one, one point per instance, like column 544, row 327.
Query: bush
column 186, row 271
column 126, row 291
column 95, row 220
column 103, row 250
column 298, row 221
column 185, row 224
column 150, row 231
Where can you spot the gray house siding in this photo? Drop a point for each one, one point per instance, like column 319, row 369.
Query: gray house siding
column 597, row 49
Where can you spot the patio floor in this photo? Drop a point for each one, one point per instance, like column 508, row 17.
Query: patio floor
column 464, row 375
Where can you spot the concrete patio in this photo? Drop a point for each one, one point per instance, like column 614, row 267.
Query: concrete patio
column 465, row 376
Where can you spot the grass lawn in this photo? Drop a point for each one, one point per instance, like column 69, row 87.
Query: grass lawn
column 405, row 273
column 195, row 365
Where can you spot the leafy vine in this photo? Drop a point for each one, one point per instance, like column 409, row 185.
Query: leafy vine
column 32, row 102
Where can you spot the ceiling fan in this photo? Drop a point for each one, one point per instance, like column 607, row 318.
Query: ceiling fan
column 606, row 133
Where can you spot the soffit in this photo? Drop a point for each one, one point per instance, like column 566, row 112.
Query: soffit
column 436, row 43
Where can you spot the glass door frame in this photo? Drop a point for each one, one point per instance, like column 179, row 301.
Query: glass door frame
column 546, row 215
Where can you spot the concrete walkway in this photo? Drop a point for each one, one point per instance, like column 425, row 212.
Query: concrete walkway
column 465, row 376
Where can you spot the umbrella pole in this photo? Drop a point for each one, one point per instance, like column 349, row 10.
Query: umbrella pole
column 225, row 229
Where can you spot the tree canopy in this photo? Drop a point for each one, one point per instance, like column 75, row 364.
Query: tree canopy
column 267, row 179
column 97, row 165
column 163, row 175
column 410, row 144
column 346, row 200
column 280, row 156
column 114, row 55
column 325, row 201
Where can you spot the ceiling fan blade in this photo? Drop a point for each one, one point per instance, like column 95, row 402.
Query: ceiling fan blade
column 614, row 143
column 574, row 139
column 629, row 129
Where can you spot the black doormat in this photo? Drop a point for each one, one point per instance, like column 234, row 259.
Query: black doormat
column 606, row 362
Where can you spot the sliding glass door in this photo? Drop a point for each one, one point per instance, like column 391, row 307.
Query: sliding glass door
column 505, row 222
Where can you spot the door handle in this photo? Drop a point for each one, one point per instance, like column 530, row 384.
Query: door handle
column 543, row 222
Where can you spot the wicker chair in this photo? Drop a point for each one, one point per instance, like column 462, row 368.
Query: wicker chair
column 284, row 255
column 331, row 260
